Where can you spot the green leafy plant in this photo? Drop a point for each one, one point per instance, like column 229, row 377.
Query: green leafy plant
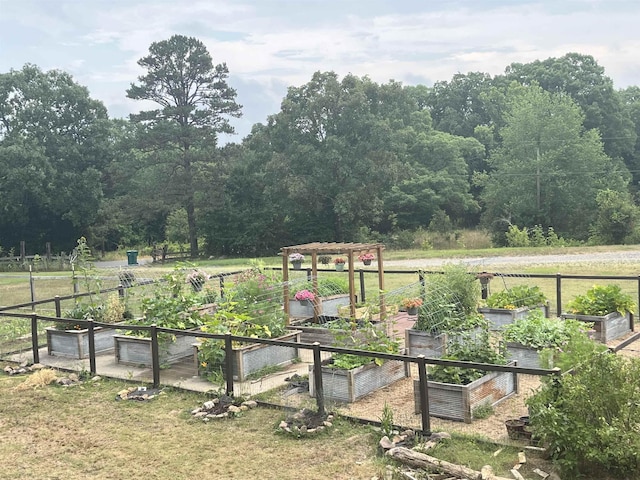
column 602, row 300
column 368, row 336
column 480, row 350
column 251, row 308
column 386, row 420
column 537, row 331
column 516, row 297
column 589, row 419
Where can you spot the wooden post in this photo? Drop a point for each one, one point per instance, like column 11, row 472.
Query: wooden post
column 23, row 251
column 383, row 308
column 47, row 247
column 285, row 281
column 92, row 348
column 424, row 395
column 34, row 338
column 155, row 356
column 317, row 378
column 314, row 284
column 56, row 300
column 228, row 362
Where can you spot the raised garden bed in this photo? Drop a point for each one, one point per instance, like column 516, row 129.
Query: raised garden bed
column 499, row 317
column 457, row 402
column 254, row 357
column 419, row 342
column 608, row 327
column 351, row 385
column 528, row 357
column 327, row 306
column 132, row 350
column 75, row 343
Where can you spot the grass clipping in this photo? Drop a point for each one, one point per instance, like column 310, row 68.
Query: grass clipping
column 38, row 379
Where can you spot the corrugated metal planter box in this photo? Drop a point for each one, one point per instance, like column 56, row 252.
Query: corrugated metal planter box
column 75, row 343
column 328, row 306
column 457, row 402
column 431, row 345
column 351, row 385
column 419, row 342
column 132, row 350
column 500, row 317
column 528, row 357
column 253, row 357
column 607, row 327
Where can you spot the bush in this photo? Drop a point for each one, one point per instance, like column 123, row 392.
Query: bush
column 602, row 300
column 591, row 418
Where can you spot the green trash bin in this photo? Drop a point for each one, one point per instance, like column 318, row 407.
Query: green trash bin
column 132, row 257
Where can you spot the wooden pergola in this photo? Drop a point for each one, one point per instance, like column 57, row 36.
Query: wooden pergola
column 351, row 251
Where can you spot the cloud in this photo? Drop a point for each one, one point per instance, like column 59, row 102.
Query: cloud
column 269, row 44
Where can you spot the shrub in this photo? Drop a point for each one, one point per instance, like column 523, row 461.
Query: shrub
column 590, row 419
column 602, row 300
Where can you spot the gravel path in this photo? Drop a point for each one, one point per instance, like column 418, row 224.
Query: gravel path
column 631, row 256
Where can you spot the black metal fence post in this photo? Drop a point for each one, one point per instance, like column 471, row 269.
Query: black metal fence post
column 228, row 363
column 362, row 294
column 424, row 395
column 317, row 378
column 32, row 288
column 558, row 294
column 56, row 300
column 155, row 356
column 92, row 348
column 34, row 338
column 222, row 286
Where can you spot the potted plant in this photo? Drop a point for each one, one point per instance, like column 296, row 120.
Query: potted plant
column 527, row 337
column 349, row 377
column 296, row 260
column 455, row 392
column 333, row 293
column 607, row 307
column 251, row 308
column 197, row 278
column 510, row 304
column 366, row 258
column 304, row 296
column 411, row 305
column 71, row 340
column 339, row 263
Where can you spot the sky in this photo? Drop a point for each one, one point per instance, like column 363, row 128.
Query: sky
column 269, row 45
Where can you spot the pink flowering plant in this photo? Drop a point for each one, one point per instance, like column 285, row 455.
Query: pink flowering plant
column 366, row 256
column 296, row 257
column 302, row 295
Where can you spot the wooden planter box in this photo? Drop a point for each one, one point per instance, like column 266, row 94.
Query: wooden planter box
column 253, row 357
column 327, row 306
column 131, row 350
column 527, row 357
column 457, row 402
column 419, row 342
column 607, row 327
column 500, row 317
column 351, row 385
column 75, row 343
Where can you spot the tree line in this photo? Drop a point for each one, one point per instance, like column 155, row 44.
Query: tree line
column 548, row 146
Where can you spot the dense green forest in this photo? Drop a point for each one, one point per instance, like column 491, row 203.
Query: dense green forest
column 550, row 146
